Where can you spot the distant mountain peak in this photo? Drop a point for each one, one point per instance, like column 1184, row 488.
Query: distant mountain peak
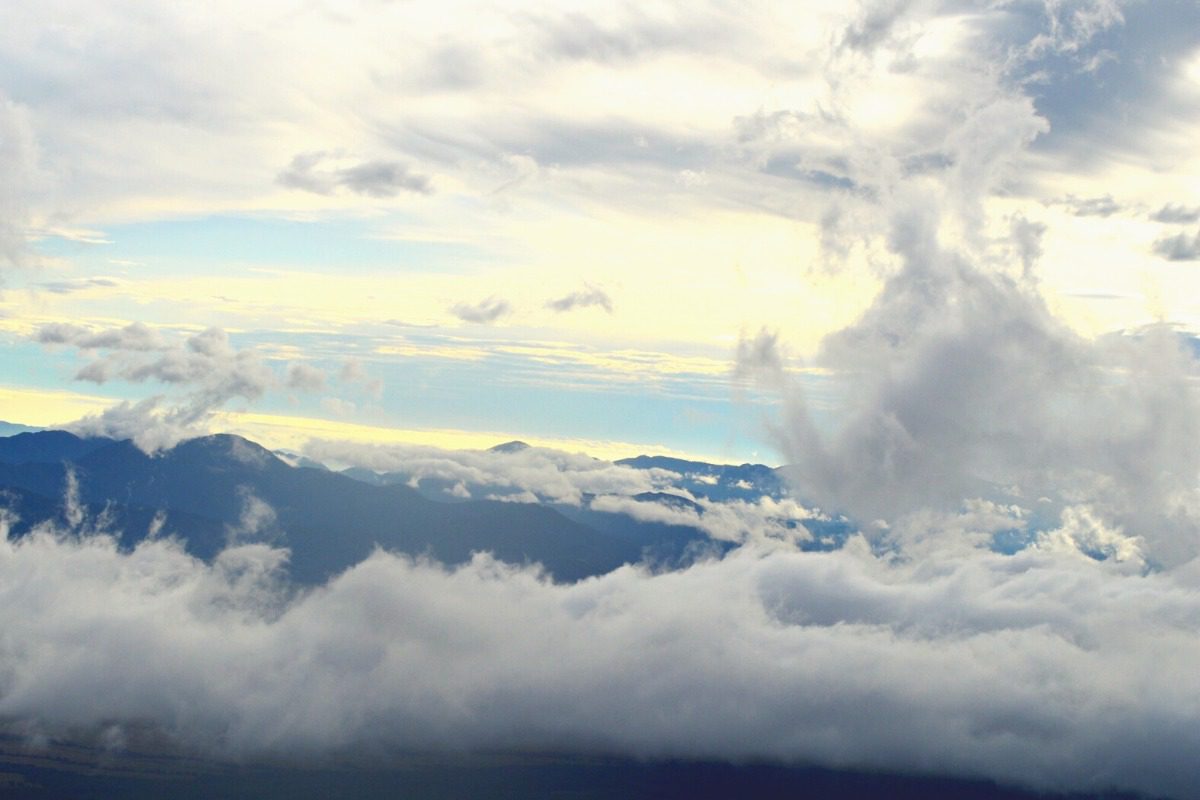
column 47, row 447
column 514, row 446
column 227, row 444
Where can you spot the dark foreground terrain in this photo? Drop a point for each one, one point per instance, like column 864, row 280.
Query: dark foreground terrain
column 72, row 772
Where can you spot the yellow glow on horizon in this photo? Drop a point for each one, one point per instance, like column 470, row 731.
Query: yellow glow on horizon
column 47, row 408
column 51, row 409
column 287, row 432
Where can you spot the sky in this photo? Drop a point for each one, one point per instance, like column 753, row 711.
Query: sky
column 560, row 222
column 937, row 257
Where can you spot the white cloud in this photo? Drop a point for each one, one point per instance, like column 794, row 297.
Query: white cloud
column 552, row 475
column 1040, row 669
column 207, row 371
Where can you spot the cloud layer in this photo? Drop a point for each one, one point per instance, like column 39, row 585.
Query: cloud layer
column 1046, row 668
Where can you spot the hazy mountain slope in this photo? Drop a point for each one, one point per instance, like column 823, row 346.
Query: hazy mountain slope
column 329, row 521
column 47, row 447
column 717, row 481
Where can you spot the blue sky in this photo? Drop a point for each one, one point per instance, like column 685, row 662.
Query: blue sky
column 559, row 223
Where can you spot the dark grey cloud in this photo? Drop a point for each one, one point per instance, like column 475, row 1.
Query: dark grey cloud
column 300, row 175
column 1178, row 214
column 1180, row 247
column 383, row 179
column 1103, row 206
column 577, row 36
column 1027, row 241
column 375, row 178
column 484, row 312
column 875, row 25
column 584, row 298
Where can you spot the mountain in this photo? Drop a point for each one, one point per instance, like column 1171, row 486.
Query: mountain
column 328, row 520
column 12, row 428
column 718, row 482
column 46, row 447
column 509, row 447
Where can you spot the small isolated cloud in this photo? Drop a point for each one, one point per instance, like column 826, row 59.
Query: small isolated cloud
column 591, row 296
column 1172, row 213
column 353, row 372
column 257, row 522
column 760, row 357
column 484, row 312
column 374, row 178
column 1103, row 206
column 383, row 179
column 306, row 378
column 1180, row 247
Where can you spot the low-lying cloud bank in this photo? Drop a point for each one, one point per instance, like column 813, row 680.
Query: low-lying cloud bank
column 527, row 474
column 1044, row 668
column 543, row 475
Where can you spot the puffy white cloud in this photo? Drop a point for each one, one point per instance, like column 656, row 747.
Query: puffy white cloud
column 305, row 377
column 206, row 368
column 763, row 520
column 551, row 475
column 1042, row 668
